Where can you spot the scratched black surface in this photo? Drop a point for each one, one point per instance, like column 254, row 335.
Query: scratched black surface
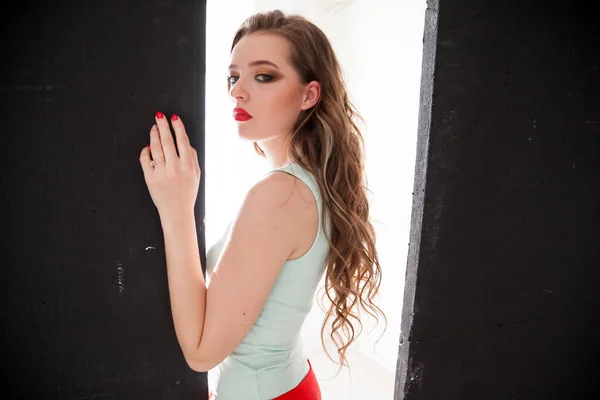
column 85, row 307
column 502, row 298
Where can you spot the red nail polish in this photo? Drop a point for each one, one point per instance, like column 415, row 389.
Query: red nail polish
column 159, row 115
column 174, row 117
column 148, row 146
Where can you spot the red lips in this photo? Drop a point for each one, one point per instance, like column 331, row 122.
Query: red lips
column 241, row 115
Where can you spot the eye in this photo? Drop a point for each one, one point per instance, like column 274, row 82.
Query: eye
column 265, row 77
column 232, row 79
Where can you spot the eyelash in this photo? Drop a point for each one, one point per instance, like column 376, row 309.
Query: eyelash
column 267, row 76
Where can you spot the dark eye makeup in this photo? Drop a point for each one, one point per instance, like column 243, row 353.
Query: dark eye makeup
column 232, row 79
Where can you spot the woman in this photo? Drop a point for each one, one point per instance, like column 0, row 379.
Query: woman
column 308, row 216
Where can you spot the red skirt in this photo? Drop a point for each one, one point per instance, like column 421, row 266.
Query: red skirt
column 308, row 389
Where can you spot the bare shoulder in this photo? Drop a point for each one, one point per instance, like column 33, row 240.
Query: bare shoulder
column 286, row 202
column 273, row 189
column 279, row 192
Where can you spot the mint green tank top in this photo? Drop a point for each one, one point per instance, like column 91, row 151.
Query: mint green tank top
column 270, row 360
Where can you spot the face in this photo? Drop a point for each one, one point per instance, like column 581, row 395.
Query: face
column 267, row 92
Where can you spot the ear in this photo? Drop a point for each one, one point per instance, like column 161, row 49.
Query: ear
column 312, row 93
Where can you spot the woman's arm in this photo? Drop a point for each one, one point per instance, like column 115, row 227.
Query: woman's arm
column 173, row 180
column 211, row 322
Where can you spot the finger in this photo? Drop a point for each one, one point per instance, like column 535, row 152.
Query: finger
column 166, row 138
column 155, row 145
column 145, row 161
column 183, row 141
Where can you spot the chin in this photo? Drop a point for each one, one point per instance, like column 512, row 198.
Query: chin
column 244, row 136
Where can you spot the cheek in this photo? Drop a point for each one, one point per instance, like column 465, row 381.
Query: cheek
column 284, row 106
column 288, row 97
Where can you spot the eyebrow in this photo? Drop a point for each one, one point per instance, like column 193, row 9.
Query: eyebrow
column 256, row 63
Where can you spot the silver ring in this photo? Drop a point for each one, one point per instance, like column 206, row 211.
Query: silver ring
column 153, row 163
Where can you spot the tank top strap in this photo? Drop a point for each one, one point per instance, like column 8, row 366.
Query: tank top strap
column 309, row 180
column 306, row 177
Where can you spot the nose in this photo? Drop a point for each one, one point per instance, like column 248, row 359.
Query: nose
column 238, row 91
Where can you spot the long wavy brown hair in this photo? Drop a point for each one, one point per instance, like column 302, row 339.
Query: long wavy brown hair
column 327, row 142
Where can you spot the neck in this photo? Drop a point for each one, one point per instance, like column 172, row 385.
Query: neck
column 275, row 151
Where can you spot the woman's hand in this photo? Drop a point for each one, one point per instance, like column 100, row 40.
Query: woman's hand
column 174, row 180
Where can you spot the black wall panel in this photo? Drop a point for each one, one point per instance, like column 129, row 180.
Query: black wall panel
column 502, row 295
column 85, row 306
